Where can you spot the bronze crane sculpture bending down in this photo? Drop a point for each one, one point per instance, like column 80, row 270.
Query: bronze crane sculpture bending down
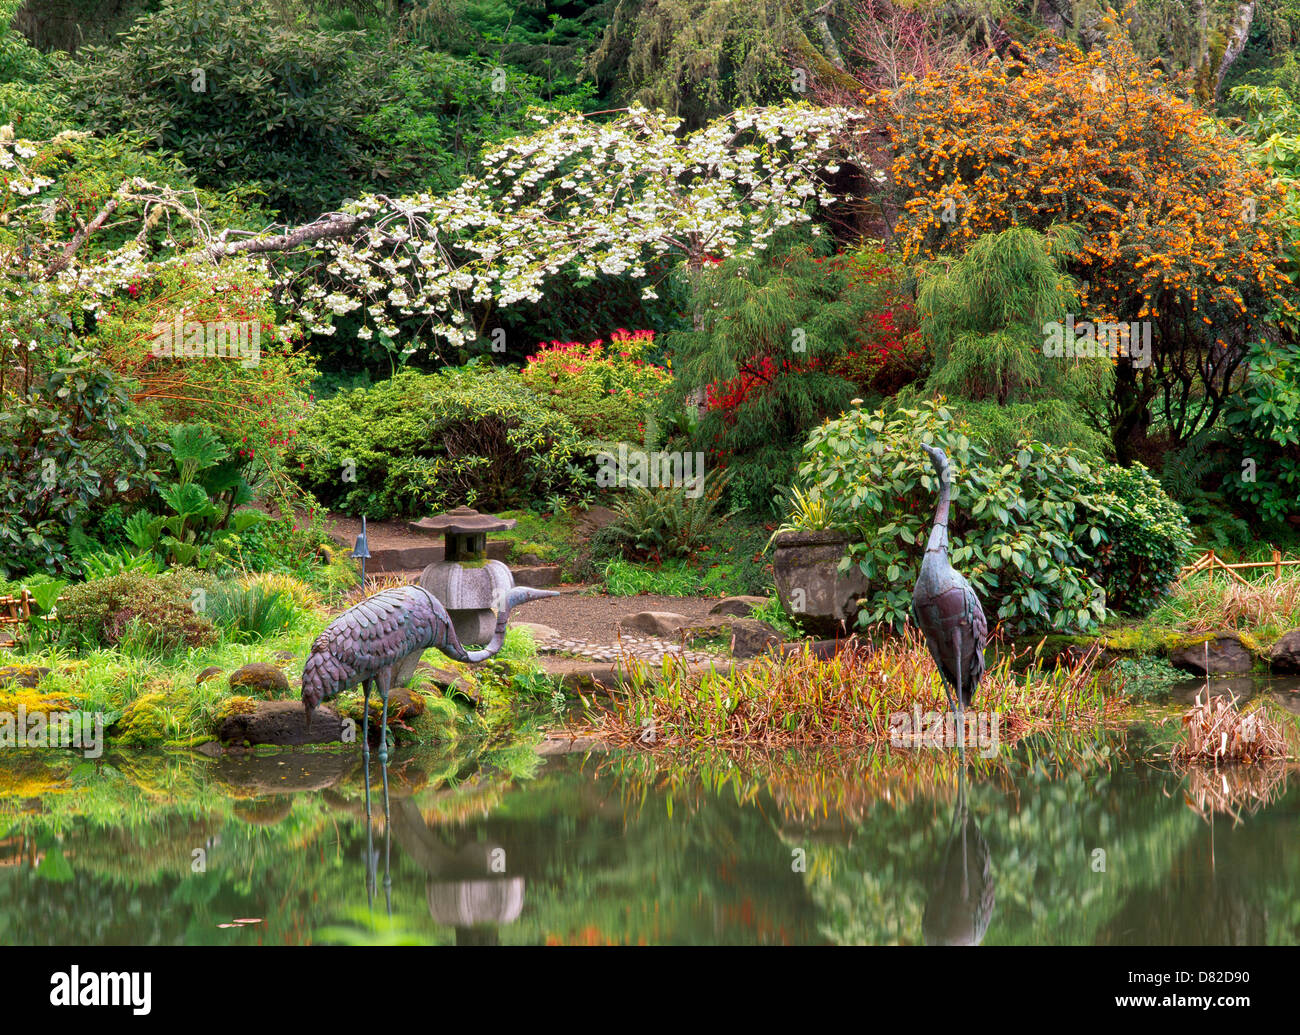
column 947, row 610
column 369, row 642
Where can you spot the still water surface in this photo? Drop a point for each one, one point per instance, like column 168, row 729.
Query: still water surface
column 1050, row 844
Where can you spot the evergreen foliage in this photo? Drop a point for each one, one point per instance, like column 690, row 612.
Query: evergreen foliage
column 983, row 318
column 770, row 335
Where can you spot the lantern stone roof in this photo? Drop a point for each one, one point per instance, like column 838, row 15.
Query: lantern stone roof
column 463, row 521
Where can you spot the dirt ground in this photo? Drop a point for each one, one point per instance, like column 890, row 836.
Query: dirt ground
column 572, row 614
column 381, row 535
column 592, row 618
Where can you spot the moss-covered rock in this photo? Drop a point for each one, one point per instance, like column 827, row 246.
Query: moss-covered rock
column 236, row 706
column 145, row 721
column 27, row 676
column 1216, row 653
column 259, row 677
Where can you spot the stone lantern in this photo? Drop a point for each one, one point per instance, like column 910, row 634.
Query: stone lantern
column 470, row 586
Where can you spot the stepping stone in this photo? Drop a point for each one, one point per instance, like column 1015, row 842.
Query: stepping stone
column 654, row 623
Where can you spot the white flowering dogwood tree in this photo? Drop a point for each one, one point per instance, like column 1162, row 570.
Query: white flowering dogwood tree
column 585, row 194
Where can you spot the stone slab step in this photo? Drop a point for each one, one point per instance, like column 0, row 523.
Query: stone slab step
column 408, row 558
column 537, row 576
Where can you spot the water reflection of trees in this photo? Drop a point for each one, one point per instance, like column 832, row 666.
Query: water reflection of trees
column 847, row 847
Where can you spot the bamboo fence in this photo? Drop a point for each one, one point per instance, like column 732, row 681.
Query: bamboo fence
column 1210, row 563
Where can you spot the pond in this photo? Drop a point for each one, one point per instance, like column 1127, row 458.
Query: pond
column 1050, row 843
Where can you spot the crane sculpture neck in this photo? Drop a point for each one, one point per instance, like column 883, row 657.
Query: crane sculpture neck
column 454, row 649
column 939, row 533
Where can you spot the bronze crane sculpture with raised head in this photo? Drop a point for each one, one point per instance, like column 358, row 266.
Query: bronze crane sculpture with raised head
column 946, row 609
column 369, row 642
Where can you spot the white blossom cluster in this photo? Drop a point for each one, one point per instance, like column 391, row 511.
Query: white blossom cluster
column 598, row 197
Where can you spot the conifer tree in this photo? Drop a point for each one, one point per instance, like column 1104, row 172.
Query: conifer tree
column 983, row 317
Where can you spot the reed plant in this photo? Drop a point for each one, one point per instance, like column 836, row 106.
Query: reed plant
column 850, row 698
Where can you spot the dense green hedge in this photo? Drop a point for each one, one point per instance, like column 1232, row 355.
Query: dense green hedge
column 1147, row 539
column 421, row 443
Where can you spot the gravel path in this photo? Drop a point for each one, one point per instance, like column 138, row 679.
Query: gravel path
column 591, row 618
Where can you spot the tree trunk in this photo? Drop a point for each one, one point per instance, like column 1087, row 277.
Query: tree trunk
column 1238, row 34
column 820, row 23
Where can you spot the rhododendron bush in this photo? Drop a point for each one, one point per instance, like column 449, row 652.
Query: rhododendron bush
column 606, row 390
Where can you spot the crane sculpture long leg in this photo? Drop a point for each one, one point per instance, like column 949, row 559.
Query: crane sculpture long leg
column 365, row 646
column 961, row 731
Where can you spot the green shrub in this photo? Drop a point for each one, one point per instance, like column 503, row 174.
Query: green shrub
column 200, row 516
column 421, row 443
column 1147, row 539
column 68, row 445
column 1020, row 531
column 162, row 612
column 1263, row 423
column 286, row 114
column 109, row 563
column 999, row 427
column 759, row 479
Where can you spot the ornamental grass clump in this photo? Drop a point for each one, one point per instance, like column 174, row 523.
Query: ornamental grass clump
column 854, row 697
column 1218, row 731
column 1205, row 602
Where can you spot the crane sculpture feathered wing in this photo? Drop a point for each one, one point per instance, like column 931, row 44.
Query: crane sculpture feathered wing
column 946, row 609
column 368, row 642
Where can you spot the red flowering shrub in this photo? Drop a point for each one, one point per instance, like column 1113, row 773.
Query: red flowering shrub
column 605, row 390
column 885, row 353
column 197, row 346
column 784, row 342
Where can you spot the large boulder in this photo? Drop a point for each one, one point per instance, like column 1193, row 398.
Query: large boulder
column 749, row 637
column 281, row 723
column 663, row 625
column 595, row 518
column 740, row 607
column 259, row 677
column 1285, row 653
column 1221, row 653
